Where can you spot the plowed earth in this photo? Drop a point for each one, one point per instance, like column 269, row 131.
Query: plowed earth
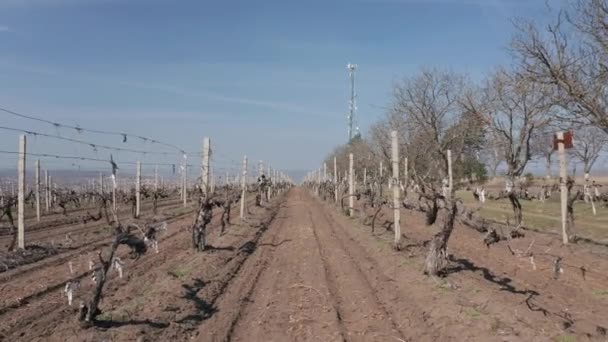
column 298, row 270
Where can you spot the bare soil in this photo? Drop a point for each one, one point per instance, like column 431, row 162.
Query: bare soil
column 299, row 270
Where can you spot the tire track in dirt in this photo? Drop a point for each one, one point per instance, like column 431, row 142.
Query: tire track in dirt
column 237, row 284
column 350, row 305
column 292, row 299
column 426, row 312
column 365, row 315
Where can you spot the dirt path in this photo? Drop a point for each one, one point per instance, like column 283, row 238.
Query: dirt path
column 314, row 282
column 323, row 277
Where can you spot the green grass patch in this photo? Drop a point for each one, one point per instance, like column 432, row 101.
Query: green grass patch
column 546, row 216
column 565, row 338
column 106, row 316
column 178, row 273
column 601, row 293
column 472, row 312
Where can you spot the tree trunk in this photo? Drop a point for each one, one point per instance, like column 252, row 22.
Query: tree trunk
column 437, row 254
column 90, row 311
column 517, row 211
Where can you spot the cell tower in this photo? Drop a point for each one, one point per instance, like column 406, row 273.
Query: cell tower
column 353, row 101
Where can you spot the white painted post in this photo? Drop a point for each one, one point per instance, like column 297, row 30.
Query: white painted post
column 114, row 187
column 101, row 187
column 206, row 170
column 38, row 190
column 405, row 173
column 351, row 186
column 563, row 188
column 450, row 180
column 185, row 184
column 211, row 178
column 155, row 177
column 396, row 191
column 318, row 180
column 138, row 190
column 364, row 177
column 47, row 191
column 335, row 180
column 21, row 194
column 243, row 187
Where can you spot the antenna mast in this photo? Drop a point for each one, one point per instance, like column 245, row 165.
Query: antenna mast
column 353, row 96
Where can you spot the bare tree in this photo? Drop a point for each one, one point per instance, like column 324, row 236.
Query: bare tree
column 589, row 143
column 429, row 118
column 492, row 155
column 514, row 110
column 542, row 146
column 571, row 57
column 367, row 157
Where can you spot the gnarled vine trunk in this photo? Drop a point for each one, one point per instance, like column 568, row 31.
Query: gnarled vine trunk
column 437, row 254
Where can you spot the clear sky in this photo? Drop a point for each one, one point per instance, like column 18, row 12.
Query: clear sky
column 265, row 78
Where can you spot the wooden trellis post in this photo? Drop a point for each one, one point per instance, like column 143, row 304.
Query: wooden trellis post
column 114, row 188
column 562, row 184
column 396, row 190
column 185, row 183
column 211, row 180
column 47, row 191
column 206, row 171
column 243, row 187
column 138, row 190
column 405, row 173
column 155, row 177
column 21, row 194
column 450, row 180
column 260, row 168
column 335, row 180
column 318, row 180
column 351, row 185
column 38, row 190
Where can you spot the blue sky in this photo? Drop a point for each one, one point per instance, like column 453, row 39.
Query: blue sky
column 262, row 78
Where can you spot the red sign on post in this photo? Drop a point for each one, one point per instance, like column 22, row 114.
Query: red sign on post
column 567, row 140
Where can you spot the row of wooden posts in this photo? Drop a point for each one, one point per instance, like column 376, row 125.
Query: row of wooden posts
column 397, row 191
column 393, row 184
column 206, row 185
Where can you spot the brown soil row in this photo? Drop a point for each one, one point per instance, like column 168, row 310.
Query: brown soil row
column 299, row 270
